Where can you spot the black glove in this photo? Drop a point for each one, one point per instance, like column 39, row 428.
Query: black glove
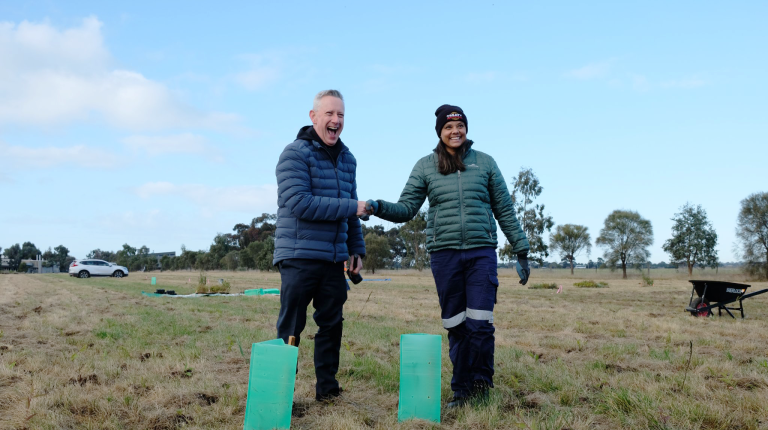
column 370, row 205
column 522, row 268
column 354, row 277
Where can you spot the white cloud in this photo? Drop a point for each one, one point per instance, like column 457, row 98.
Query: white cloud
column 78, row 155
column 591, row 71
column 686, row 83
column 185, row 143
column 51, row 76
column 257, row 78
column 244, row 198
column 265, row 70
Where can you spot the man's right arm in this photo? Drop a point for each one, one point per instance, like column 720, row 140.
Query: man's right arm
column 294, row 188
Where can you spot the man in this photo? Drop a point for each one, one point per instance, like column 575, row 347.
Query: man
column 318, row 229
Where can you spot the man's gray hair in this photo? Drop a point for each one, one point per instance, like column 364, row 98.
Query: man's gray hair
column 324, row 93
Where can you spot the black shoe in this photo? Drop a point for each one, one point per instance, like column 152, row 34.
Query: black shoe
column 330, row 396
column 457, row 402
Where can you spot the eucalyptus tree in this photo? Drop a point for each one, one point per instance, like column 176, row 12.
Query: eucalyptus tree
column 626, row 237
column 377, row 252
column 569, row 240
column 414, row 236
column 693, row 239
column 534, row 222
column 13, row 254
column 752, row 234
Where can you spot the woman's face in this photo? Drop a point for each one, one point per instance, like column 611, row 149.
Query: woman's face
column 453, row 135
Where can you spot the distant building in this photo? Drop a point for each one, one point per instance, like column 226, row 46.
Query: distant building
column 160, row 255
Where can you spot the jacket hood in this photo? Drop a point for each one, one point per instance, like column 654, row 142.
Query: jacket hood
column 308, row 133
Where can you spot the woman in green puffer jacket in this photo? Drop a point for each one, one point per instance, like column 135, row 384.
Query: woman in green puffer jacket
column 466, row 191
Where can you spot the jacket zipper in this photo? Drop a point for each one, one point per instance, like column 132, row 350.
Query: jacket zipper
column 490, row 223
column 434, row 228
column 461, row 211
column 338, row 194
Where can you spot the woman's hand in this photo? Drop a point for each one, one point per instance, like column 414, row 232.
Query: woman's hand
column 522, row 268
column 372, row 207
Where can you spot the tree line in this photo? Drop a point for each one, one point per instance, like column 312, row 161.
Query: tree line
column 58, row 256
column 625, row 238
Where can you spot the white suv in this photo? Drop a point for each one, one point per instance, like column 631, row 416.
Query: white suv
column 88, row 268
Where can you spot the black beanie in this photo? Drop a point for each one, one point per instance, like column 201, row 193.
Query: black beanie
column 447, row 113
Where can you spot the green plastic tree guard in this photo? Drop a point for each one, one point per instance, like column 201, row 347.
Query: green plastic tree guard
column 154, row 280
column 420, row 362
column 270, row 385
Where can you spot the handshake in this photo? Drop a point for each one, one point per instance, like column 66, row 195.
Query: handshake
column 366, row 209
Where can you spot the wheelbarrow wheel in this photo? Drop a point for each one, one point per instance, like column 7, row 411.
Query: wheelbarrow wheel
column 700, row 304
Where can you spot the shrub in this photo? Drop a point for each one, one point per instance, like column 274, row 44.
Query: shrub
column 202, row 283
column 591, row 284
column 647, row 281
column 22, row 267
column 551, row 286
column 222, row 288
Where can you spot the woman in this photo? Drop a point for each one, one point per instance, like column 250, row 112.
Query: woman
column 466, row 191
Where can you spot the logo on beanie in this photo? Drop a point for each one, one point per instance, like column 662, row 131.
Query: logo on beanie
column 454, row 116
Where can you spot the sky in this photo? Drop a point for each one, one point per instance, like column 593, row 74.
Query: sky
column 160, row 123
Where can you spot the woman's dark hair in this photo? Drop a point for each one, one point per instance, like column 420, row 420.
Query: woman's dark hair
column 448, row 163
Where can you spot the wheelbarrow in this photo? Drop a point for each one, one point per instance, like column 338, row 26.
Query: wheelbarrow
column 718, row 294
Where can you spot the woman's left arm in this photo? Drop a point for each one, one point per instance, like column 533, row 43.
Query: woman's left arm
column 504, row 210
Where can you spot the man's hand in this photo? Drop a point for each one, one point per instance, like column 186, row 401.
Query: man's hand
column 361, row 208
column 355, row 264
column 522, row 268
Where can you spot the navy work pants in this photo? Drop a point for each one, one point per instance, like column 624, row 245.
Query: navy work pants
column 466, row 283
column 323, row 284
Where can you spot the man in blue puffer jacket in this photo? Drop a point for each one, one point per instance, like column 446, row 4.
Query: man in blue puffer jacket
column 318, row 229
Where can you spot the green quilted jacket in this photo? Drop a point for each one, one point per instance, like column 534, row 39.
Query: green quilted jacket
column 462, row 205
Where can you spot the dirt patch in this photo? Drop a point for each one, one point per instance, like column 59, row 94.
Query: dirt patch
column 141, row 390
column 750, row 384
column 82, row 380
column 168, row 421
column 615, row 368
column 534, row 401
column 7, row 381
column 186, row 373
column 83, row 410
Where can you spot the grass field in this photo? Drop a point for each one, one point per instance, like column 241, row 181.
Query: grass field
column 96, row 354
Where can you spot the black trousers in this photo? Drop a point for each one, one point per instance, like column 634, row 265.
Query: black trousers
column 323, row 284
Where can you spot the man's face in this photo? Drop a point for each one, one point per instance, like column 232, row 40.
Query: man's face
column 328, row 119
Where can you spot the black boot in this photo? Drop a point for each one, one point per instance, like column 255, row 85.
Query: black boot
column 457, row 402
column 329, row 397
